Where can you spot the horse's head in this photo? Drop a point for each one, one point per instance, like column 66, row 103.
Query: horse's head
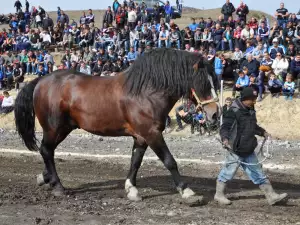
column 204, row 91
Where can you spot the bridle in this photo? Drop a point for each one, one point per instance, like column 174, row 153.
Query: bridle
column 214, row 99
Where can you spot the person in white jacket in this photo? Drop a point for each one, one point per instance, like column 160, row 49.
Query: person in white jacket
column 7, row 103
column 280, row 66
column 132, row 17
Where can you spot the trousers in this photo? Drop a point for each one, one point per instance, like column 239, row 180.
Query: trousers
column 231, row 165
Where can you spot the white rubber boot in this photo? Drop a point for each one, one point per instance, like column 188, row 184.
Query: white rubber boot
column 220, row 196
column 271, row 196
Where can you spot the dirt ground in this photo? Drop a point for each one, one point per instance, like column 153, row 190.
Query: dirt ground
column 96, row 186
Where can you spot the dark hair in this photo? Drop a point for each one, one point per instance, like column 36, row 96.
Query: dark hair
column 5, row 93
column 228, row 99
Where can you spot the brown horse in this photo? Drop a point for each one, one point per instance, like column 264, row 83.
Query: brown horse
column 134, row 103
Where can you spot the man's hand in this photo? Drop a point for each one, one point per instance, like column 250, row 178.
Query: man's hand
column 226, row 144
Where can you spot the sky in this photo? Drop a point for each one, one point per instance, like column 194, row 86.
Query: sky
column 268, row 6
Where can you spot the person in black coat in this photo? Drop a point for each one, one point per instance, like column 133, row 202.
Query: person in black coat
column 227, row 10
column 238, row 137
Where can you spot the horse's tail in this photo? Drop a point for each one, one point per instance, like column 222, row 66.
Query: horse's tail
column 25, row 115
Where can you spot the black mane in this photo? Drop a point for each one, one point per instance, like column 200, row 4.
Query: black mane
column 169, row 71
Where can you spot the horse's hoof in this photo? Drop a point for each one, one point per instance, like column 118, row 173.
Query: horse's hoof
column 194, row 200
column 134, row 197
column 40, row 180
column 58, row 192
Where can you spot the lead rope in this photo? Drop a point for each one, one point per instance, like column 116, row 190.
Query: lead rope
column 266, row 154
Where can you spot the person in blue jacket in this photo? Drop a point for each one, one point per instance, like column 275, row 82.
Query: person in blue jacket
column 242, row 82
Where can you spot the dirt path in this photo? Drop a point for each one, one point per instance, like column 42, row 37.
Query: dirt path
column 96, row 194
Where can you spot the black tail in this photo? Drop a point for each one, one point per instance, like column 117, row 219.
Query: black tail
column 25, row 115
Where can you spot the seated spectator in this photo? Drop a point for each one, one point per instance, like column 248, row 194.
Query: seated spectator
column 238, row 54
column 18, row 75
column 274, row 85
column 296, row 38
column 175, row 38
column 198, row 120
column 258, row 52
column 1, row 79
column 84, row 68
column 108, row 68
column 197, row 38
column 249, row 48
column 206, row 38
column 41, row 71
column 185, row 113
column 288, row 34
column 257, row 86
column 163, row 37
column 291, row 52
column 288, row 87
column 46, row 39
column 295, row 70
column 276, row 32
column 242, row 82
column 132, row 55
column 7, row 105
column 280, row 66
column 227, row 38
column 9, row 78
column 217, row 35
column 263, row 32
column 252, row 65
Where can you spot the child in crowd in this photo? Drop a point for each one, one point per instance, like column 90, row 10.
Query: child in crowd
column 289, row 87
column 238, row 54
column 242, row 82
column 274, row 85
column 198, row 120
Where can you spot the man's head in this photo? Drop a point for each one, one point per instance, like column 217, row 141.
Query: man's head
column 248, row 97
column 228, row 101
column 281, row 5
column 275, row 41
column 5, row 94
column 249, row 58
column 297, row 57
column 241, row 74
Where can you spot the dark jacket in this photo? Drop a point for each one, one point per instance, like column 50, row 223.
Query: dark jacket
column 240, row 127
column 253, row 66
column 228, row 9
column 295, row 66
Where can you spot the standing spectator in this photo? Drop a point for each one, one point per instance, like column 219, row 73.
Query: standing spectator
column 289, row 87
column 242, row 12
column 274, row 85
column 90, row 17
column 227, row 10
column 26, row 6
column 132, row 17
column 218, row 65
column 282, row 15
column 108, row 17
column 58, row 14
column 18, row 6
column 115, row 6
column 168, row 11
column 193, row 26
column 226, row 107
column 120, row 18
column 7, row 105
column 18, row 75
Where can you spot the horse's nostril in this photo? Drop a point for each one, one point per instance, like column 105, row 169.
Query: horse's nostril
column 214, row 116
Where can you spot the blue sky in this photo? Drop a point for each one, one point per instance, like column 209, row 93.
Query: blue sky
column 268, row 6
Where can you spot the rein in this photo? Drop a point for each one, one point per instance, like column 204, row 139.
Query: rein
column 266, row 154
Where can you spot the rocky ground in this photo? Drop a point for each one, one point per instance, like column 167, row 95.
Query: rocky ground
column 96, row 184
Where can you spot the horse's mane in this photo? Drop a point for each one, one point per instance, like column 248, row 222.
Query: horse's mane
column 169, row 71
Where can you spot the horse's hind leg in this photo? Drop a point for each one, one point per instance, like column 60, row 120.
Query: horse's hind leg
column 138, row 151
column 48, row 146
column 159, row 146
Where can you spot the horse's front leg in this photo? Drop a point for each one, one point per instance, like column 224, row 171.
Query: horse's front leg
column 157, row 143
column 138, row 152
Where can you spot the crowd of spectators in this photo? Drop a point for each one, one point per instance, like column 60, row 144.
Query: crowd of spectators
column 260, row 48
